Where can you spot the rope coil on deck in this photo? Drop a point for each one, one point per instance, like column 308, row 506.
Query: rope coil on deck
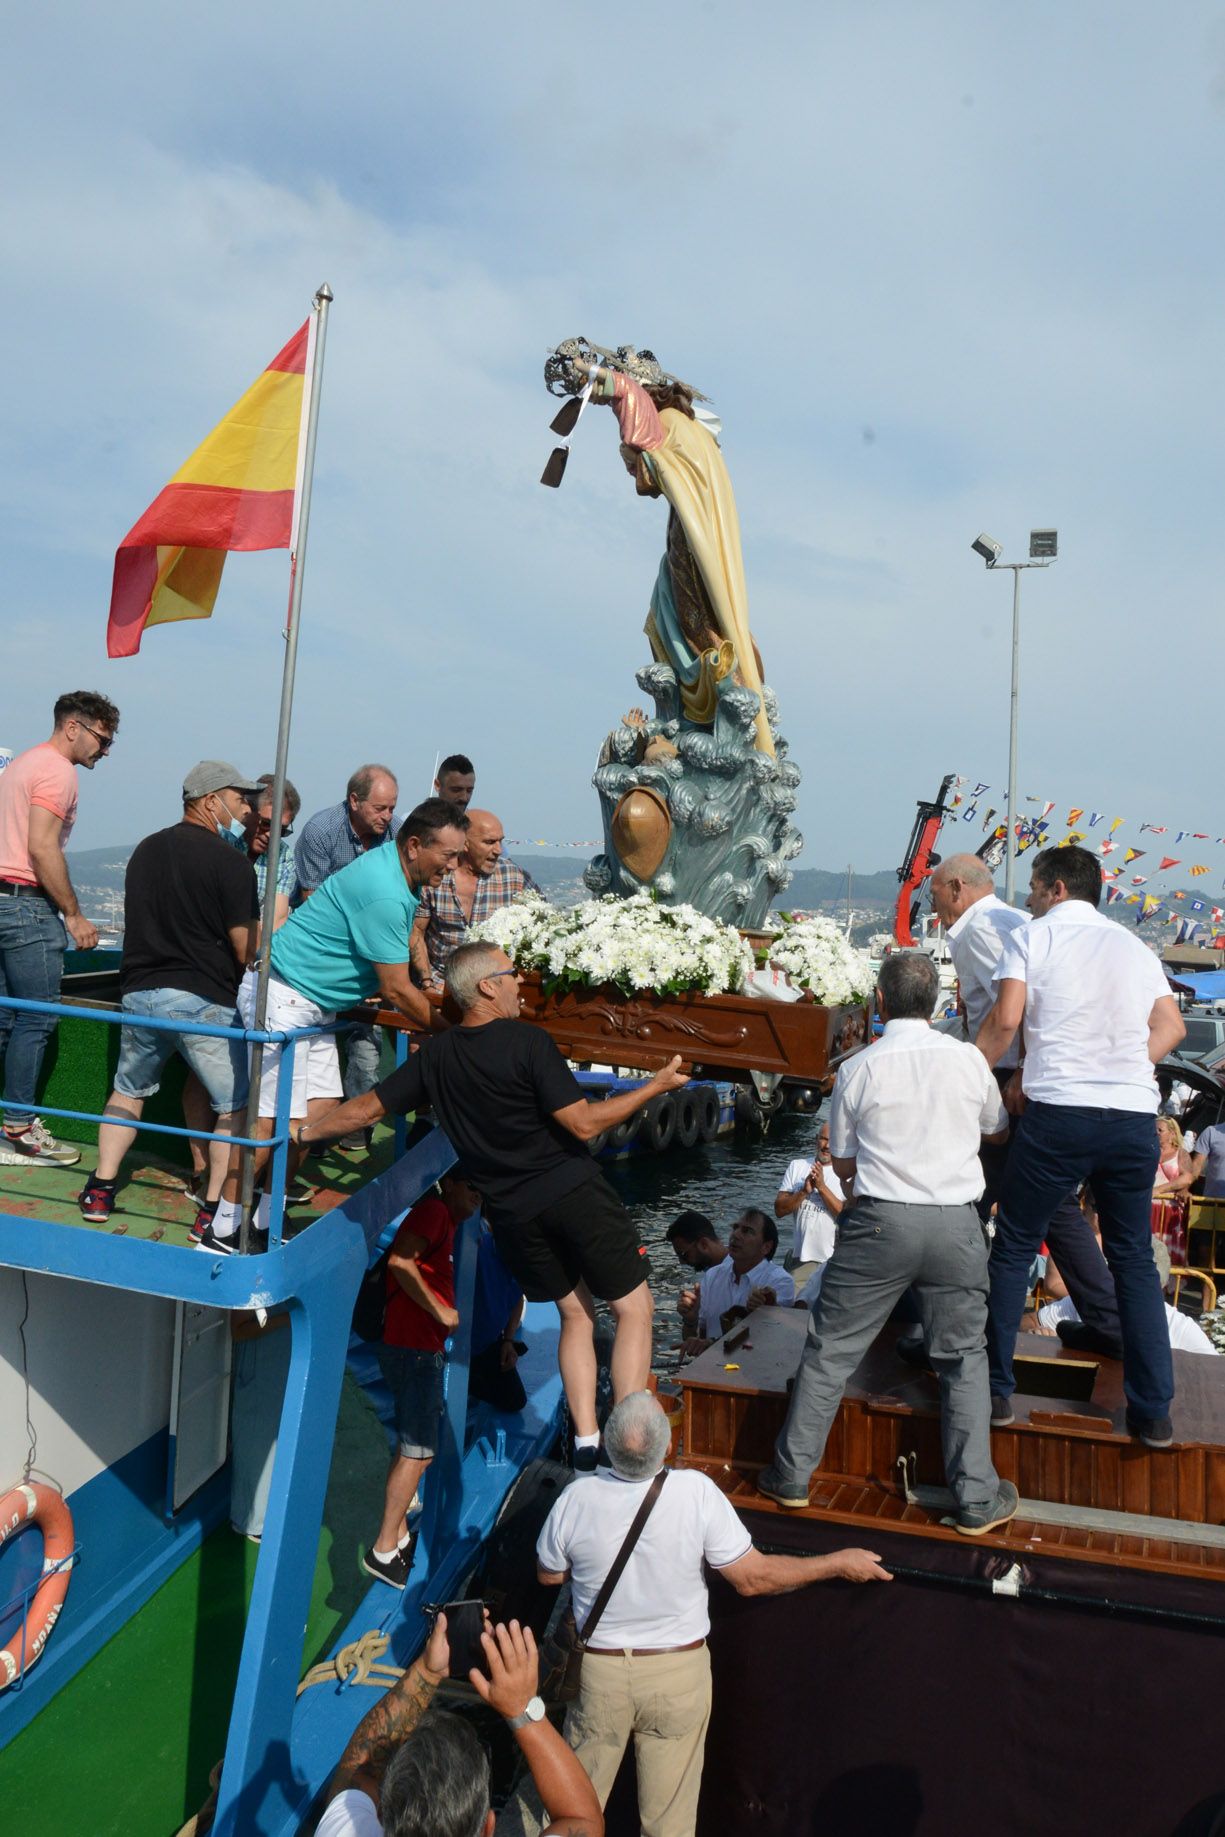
column 356, row 1663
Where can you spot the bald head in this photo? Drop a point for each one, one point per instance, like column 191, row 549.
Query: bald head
column 957, row 884
column 483, row 841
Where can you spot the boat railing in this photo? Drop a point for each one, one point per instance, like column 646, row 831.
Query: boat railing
column 313, row 1277
column 287, row 1038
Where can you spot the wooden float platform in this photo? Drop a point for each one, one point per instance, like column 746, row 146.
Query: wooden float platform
column 1089, row 1492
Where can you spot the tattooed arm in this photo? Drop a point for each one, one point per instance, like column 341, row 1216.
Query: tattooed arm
column 392, row 1720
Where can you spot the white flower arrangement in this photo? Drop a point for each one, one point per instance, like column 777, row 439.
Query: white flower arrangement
column 816, row 956
column 1213, row 1324
column 635, row 943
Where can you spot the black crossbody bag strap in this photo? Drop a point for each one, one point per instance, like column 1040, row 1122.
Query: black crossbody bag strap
column 623, row 1556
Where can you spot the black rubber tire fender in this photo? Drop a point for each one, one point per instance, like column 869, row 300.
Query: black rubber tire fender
column 688, row 1120
column 658, row 1124
column 624, row 1133
column 709, row 1113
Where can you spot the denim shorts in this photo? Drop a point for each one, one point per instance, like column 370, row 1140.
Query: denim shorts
column 220, row 1065
column 414, row 1379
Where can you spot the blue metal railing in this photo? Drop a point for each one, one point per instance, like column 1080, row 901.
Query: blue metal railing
column 278, row 1142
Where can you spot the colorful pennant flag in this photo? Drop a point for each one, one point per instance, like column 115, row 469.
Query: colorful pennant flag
column 1112, row 893
column 1117, row 824
column 1133, row 854
column 1139, row 880
column 1200, row 868
column 239, row 490
column 1095, row 817
column 1073, row 814
column 1107, row 848
column 1167, row 861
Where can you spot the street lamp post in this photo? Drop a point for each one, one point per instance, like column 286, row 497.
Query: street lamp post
column 1043, row 549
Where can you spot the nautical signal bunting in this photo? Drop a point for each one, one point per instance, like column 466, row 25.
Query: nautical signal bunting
column 239, row 490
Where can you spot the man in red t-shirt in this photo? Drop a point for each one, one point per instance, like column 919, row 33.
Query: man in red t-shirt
column 420, row 1316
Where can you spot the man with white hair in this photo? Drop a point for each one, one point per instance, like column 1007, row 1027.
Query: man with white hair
column 978, row 927
column 646, row 1674
column 519, row 1120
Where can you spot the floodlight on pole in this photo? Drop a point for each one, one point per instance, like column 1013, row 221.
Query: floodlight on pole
column 1043, row 549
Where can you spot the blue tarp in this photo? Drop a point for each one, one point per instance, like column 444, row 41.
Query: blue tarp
column 1206, row 985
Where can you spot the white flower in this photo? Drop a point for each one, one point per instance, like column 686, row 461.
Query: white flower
column 816, row 956
column 635, row 943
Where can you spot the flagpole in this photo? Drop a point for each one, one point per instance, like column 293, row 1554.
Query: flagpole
column 297, row 568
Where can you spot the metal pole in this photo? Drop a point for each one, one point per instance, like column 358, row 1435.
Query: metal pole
column 1011, row 840
column 297, row 565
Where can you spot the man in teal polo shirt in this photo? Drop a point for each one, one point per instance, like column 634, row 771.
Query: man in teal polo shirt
column 348, row 942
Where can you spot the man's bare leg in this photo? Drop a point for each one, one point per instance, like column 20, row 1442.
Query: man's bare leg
column 114, row 1139
column 207, row 1158
column 576, row 1358
column 403, row 1479
column 631, row 1353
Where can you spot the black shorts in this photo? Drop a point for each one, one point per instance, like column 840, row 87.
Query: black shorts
column 587, row 1236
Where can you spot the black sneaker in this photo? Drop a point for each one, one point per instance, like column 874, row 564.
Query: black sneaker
column 390, row 1569
column 97, row 1201
column 1001, row 1412
column 257, row 1242
column 913, row 1352
column 205, row 1214
column 976, row 1521
column 1153, row 1431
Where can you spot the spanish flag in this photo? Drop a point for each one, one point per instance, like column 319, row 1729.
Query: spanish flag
column 239, row 490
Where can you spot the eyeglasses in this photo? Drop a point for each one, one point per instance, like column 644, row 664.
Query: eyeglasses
column 265, row 822
column 105, row 741
column 494, row 974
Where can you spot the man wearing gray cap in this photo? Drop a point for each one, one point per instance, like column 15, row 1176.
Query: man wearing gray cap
column 191, row 922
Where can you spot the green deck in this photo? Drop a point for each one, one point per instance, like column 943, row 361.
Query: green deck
column 125, row 1748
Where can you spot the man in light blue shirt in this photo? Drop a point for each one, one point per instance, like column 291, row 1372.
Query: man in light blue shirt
column 345, row 832
column 349, row 941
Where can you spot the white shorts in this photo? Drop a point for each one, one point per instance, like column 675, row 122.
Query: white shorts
column 316, row 1063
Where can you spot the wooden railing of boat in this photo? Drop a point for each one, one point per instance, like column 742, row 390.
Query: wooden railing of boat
column 1089, row 1492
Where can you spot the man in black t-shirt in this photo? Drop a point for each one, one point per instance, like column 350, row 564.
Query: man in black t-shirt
column 518, row 1120
column 190, row 928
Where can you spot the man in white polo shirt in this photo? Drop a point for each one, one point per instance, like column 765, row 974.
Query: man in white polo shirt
column 809, row 1194
column 1098, row 1015
column 905, row 1124
column 646, row 1673
column 978, row 927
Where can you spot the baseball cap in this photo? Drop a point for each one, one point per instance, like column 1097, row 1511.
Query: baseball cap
column 217, row 775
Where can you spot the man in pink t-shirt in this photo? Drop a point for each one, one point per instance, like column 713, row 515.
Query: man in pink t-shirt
column 38, row 806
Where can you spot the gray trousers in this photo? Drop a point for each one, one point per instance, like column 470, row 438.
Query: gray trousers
column 883, row 1249
column 363, row 1047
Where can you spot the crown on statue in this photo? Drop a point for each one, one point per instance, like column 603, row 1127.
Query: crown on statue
column 562, row 378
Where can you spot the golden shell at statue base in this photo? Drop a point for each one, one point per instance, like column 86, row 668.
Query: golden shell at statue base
column 641, row 828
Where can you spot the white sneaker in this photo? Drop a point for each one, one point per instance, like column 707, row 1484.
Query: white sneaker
column 37, row 1144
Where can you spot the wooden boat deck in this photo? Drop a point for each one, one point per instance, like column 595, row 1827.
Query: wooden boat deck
column 1070, row 1454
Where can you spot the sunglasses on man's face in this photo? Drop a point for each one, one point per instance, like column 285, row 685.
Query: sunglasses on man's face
column 105, row 741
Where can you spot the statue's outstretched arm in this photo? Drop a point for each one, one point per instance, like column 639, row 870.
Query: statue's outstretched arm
column 641, row 427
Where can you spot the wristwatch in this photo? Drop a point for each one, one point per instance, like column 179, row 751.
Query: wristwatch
column 533, row 1711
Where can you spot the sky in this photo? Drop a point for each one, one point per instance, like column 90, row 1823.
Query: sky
column 942, row 268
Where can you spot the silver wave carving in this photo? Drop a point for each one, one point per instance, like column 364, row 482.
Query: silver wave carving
column 730, row 804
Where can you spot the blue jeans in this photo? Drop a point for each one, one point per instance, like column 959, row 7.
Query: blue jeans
column 220, row 1065
column 1056, row 1147
column 32, row 946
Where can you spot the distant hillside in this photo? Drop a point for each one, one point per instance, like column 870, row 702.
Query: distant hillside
column 98, row 873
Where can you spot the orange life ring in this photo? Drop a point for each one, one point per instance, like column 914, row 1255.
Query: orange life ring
column 43, row 1506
